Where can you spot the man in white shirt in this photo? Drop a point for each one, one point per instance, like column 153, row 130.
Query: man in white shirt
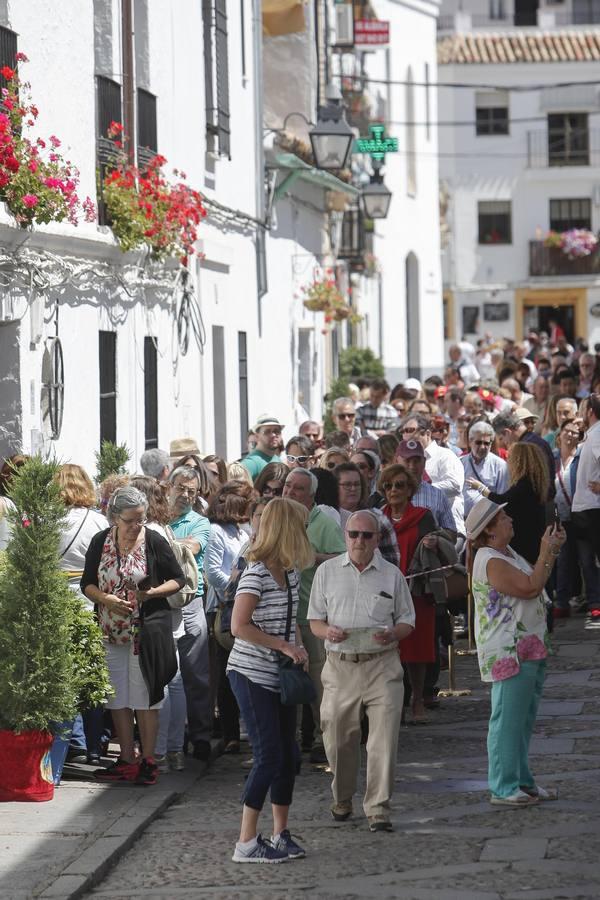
column 442, row 466
column 585, row 510
column 468, row 371
column 360, row 605
column 482, row 466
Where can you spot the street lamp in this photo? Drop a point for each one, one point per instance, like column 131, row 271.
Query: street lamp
column 376, row 198
column 331, row 138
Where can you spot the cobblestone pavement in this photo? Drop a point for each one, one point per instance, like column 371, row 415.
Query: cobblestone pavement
column 448, row 843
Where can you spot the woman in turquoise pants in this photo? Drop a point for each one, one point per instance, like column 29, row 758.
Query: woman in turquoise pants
column 512, row 645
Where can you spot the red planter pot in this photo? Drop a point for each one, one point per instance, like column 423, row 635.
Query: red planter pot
column 25, row 767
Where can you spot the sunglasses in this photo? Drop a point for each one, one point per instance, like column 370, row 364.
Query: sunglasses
column 483, row 443
column 274, row 492
column 346, row 415
column 396, row 485
column 367, row 535
column 299, row 459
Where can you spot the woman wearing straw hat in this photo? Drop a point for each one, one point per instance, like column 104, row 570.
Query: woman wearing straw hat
column 511, row 634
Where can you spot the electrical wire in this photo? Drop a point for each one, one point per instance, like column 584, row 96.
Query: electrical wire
column 459, row 85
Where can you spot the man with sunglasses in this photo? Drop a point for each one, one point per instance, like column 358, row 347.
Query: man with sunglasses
column 268, row 438
column 343, row 414
column 360, row 605
column 482, row 466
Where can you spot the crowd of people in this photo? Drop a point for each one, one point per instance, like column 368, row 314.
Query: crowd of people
column 330, row 550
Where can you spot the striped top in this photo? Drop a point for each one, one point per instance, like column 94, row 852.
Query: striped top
column 259, row 664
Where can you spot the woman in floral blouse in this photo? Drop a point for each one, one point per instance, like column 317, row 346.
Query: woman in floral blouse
column 512, row 644
column 129, row 572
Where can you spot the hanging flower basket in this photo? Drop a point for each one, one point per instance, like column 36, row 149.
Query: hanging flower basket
column 341, row 313
column 574, row 243
column 322, row 294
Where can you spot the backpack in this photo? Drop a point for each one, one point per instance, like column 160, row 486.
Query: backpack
column 187, row 561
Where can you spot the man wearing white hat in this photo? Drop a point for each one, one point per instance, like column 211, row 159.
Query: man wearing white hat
column 268, row 439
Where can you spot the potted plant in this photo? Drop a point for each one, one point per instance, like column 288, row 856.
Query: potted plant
column 111, row 460
column 146, row 209
column 51, row 656
column 574, row 243
column 37, row 184
column 322, row 294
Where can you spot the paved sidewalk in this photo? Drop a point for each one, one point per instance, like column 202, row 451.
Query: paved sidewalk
column 449, row 843
column 58, row 849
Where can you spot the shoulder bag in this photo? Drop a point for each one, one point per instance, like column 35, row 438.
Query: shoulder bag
column 187, row 561
column 295, row 684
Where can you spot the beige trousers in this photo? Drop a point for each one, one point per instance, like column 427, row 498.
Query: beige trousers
column 315, row 648
column 376, row 686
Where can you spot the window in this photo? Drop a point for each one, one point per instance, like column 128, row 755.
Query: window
column 586, row 12
column 8, row 51
column 570, row 213
column 491, row 112
column 108, row 109
column 219, row 391
column 216, row 77
column 147, row 140
column 352, row 238
column 494, row 218
column 243, row 385
column 150, row 393
column 107, row 358
column 526, row 12
column 568, row 139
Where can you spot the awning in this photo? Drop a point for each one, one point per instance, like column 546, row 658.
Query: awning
column 299, row 170
column 282, row 17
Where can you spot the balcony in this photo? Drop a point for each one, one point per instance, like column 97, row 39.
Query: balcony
column 552, row 262
column 573, row 148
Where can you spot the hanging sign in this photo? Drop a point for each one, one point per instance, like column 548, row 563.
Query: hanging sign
column 377, row 144
column 371, row 33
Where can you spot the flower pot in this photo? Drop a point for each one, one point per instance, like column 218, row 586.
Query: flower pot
column 315, row 304
column 339, row 313
column 25, row 768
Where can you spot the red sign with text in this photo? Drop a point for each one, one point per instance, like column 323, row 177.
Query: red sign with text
column 371, row 32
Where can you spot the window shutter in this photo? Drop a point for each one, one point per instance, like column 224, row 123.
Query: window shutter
column 222, row 70
column 108, row 109
column 8, row 51
column 147, row 137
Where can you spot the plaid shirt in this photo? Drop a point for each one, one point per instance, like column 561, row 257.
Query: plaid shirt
column 377, row 418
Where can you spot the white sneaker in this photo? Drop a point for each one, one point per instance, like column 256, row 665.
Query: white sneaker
column 519, row 798
column 176, row 760
column 162, row 762
column 261, row 852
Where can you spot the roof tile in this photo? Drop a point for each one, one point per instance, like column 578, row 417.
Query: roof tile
column 520, row 46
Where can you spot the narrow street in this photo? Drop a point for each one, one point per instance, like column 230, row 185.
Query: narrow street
column 448, row 844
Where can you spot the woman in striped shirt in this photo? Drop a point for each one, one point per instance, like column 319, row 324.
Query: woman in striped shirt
column 260, row 627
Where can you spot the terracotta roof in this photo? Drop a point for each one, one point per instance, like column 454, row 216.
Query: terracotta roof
column 520, row 47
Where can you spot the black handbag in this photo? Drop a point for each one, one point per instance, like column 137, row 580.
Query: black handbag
column 295, row 684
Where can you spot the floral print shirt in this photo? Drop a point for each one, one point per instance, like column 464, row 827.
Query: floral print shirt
column 120, row 575
column 508, row 630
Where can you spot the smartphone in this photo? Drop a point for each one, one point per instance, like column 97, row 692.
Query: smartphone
column 557, row 524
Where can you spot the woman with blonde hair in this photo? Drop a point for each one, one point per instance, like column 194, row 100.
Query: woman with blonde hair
column 82, row 522
column 550, row 421
column 333, row 457
column 237, row 472
column 525, row 499
column 264, row 627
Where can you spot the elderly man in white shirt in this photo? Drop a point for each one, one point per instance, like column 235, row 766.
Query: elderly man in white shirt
column 482, row 466
column 360, row 605
column 443, row 467
column 585, row 509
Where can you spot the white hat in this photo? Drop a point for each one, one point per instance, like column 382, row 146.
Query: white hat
column 480, row 516
column 412, row 384
column 522, row 413
column 264, row 420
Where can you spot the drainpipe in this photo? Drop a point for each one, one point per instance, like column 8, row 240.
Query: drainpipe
column 128, row 78
column 259, row 149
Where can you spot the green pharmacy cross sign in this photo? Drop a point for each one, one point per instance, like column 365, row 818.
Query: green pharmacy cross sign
column 377, row 144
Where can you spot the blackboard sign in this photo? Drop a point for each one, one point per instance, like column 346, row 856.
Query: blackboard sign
column 496, row 312
column 470, row 319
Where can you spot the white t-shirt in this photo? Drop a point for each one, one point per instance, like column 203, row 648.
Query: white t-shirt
column 589, row 470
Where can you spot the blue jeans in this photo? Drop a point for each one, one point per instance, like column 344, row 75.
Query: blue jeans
column 171, row 717
column 514, row 708
column 272, row 733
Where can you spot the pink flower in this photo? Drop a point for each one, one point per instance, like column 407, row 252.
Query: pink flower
column 52, row 182
column 54, row 141
column 504, row 668
column 20, row 57
column 89, row 210
column 30, row 200
column 530, row 647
